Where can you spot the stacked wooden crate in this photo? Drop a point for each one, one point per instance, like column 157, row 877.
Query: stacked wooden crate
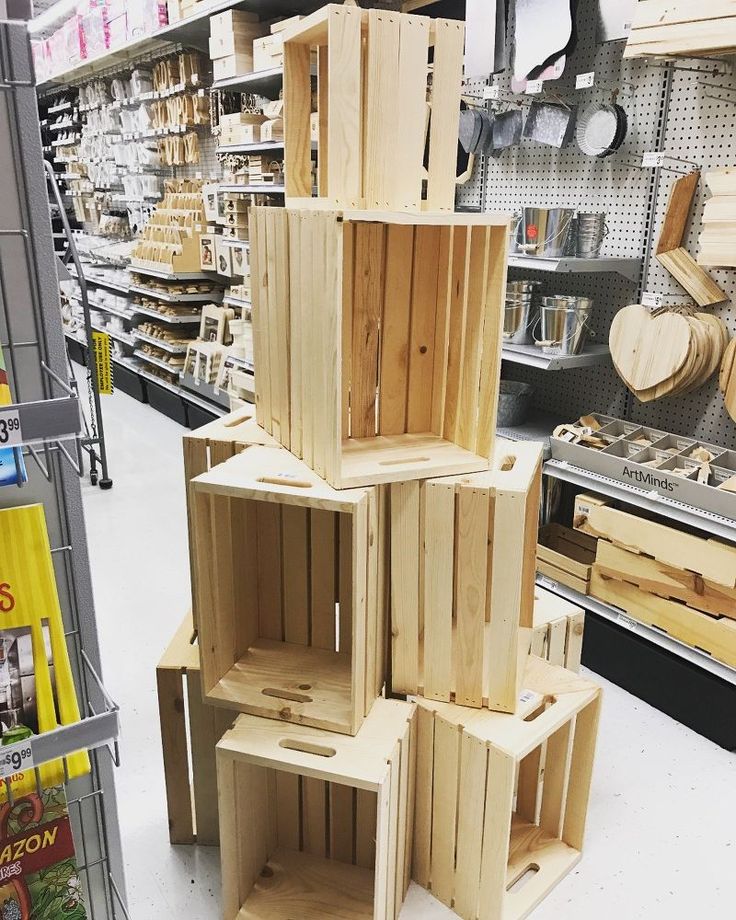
column 370, row 537
column 679, row 583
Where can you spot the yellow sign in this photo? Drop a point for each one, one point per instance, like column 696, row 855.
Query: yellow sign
column 103, row 362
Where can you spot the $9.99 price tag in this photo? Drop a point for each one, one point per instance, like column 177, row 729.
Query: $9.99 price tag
column 16, row 758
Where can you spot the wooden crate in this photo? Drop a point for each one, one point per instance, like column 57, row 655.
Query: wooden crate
column 212, row 444
column 667, row 28
column 462, row 580
column 374, row 118
column 566, row 556
column 474, row 858
column 379, row 336
column 289, row 591
column 558, row 630
column 316, row 825
column 189, row 732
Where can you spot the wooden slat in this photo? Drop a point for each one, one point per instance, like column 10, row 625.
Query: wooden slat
column 342, row 830
column 323, row 570
column 477, row 284
column 195, row 463
column 392, row 852
column 405, row 549
column 574, row 648
column 277, row 267
column 288, row 810
column 346, row 359
column 308, row 340
column 295, row 544
column 261, row 320
column 531, row 540
column 471, row 573
column 442, row 324
column 383, row 91
column 438, row 544
column 676, row 216
column 207, row 724
column 423, row 329
column 323, row 110
column 456, row 330
column 496, row 834
column 412, row 102
column 345, row 582
column 172, row 716
column 365, row 828
column 314, row 816
column 215, row 584
column 422, row 857
column 344, row 128
column 298, row 332
column 268, row 522
column 383, row 588
column 368, row 294
column 557, row 639
column 363, row 606
column 530, row 775
column 394, row 370
column 234, row 886
column 408, row 855
column 556, row 775
column 323, row 376
column 445, row 119
column 581, row 771
column 473, row 768
column 297, row 110
column 444, row 809
column 492, row 341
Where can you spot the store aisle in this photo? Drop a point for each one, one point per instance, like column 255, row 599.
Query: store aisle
column 662, row 841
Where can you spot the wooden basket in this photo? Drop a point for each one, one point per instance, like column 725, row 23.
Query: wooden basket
column 558, row 630
column 372, row 109
column 477, row 847
column 462, row 580
column 379, row 340
column 315, row 825
column 289, row 591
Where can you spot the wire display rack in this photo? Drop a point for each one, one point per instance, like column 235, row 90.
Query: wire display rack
column 51, row 442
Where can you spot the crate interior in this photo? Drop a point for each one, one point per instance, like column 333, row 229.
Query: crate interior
column 313, row 850
column 282, row 579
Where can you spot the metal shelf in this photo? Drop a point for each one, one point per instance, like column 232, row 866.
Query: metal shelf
column 124, row 337
column 173, row 298
column 263, row 82
column 533, row 356
column 236, row 302
column 190, row 386
column 713, row 524
column 172, row 320
column 151, row 359
column 169, row 276
column 45, row 420
column 171, row 387
column 629, row 268
column 160, row 343
column 655, row 636
column 254, row 189
column 61, row 107
column 231, row 241
column 251, row 148
column 123, row 314
column 102, row 282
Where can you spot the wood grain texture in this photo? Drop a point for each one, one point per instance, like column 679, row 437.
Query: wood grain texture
column 368, row 295
column 344, row 101
column 425, row 271
column 405, row 586
column 397, row 314
column 297, row 130
column 682, row 194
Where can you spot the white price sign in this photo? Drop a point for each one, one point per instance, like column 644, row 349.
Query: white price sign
column 652, row 300
column 534, row 86
column 491, row 92
column 11, row 434
column 585, row 80
column 653, row 159
column 16, row 758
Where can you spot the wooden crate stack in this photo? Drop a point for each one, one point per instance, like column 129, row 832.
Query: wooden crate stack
column 369, row 537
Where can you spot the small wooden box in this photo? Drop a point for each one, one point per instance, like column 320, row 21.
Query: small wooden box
column 316, row 825
column 462, row 580
column 558, row 630
column 268, row 52
column 380, row 359
column 189, row 733
column 473, row 840
column 289, row 595
column 234, row 65
column 372, row 98
column 566, row 556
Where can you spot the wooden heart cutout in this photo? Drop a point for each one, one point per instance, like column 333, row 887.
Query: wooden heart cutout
column 648, row 350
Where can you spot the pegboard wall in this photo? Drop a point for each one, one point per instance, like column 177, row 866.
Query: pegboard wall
column 689, row 125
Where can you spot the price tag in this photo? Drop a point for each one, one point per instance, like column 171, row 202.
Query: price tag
column 585, row 80
column 526, row 696
column 547, row 583
column 653, row 159
column 491, row 92
column 628, row 26
column 652, row 300
column 627, row 622
column 11, row 433
column 16, row 758
column 534, row 86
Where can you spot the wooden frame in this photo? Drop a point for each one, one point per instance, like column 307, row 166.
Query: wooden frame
column 674, row 28
column 558, row 630
column 566, row 556
column 463, row 580
column 408, row 309
column 315, row 825
column 191, row 801
column 289, row 591
column 532, row 772
column 372, row 109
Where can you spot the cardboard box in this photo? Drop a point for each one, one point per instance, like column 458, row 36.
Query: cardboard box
column 236, row 65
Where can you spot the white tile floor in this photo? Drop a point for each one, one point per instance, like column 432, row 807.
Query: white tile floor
column 662, row 824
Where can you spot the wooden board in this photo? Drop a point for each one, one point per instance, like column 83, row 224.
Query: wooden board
column 662, row 28
column 696, row 281
column 648, row 350
column 680, row 202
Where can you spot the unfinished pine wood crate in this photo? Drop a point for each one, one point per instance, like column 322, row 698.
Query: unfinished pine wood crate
column 316, row 825
column 379, row 338
column 377, row 111
column 189, row 734
column 558, row 630
column 501, row 800
column 212, row 444
column 566, row 556
column 289, row 584
column 462, row 580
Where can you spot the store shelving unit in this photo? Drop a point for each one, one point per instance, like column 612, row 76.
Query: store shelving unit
column 47, row 404
column 533, row 356
column 627, row 268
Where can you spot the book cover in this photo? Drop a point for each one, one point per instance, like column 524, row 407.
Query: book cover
column 38, row 868
column 12, row 464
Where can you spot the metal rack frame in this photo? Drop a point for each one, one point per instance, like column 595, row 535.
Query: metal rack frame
column 32, row 339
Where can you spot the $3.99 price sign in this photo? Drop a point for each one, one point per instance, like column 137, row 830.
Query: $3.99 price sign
column 10, row 430
column 16, row 758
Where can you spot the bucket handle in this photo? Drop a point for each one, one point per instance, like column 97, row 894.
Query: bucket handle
column 583, row 324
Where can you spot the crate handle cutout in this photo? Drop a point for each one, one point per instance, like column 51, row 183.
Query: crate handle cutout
column 525, row 876
column 547, row 702
column 285, row 481
column 233, row 423
column 306, row 747
column 404, row 460
column 507, row 464
column 287, row 695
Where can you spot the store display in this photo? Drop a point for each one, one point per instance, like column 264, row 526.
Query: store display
column 717, row 239
column 476, row 533
column 601, row 129
column 12, row 465
column 558, row 630
column 706, row 29
column 550, row 124
column 564, row 324
column 566, row 556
